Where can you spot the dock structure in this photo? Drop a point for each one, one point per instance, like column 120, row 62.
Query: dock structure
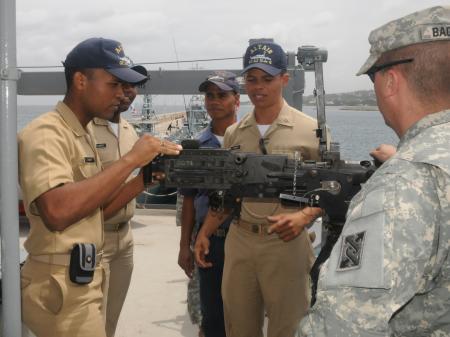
column 161, row 125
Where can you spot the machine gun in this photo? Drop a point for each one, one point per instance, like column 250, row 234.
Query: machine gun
column 237, row 175
column 233, row 176
column 329, row 183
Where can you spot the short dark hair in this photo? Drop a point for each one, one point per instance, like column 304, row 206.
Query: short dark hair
column 429, row 74
column 69, row 72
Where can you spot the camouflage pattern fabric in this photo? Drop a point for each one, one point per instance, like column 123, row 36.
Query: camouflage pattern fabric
column 194, row 306
column 431, row 24
column 389, row 272
column 178, row 208
column 193, row 299
column 193, row 288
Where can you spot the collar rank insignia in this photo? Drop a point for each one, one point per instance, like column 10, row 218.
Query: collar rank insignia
column 351, row 251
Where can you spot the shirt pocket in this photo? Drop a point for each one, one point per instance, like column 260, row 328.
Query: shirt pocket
column 357, row 259
column 86, row 168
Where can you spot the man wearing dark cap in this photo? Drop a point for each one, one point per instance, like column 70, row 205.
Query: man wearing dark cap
column 65, row 191
column 113, row 139
column 267, row 263
column 222, row 103
column 389, row 272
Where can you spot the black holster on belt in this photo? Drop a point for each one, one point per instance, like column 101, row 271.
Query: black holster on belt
column 82, row 263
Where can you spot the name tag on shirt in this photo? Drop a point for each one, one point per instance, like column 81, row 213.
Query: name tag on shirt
column 100, row 146
column 89, row 159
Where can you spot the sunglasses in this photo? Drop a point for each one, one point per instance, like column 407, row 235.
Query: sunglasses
column 374, row 69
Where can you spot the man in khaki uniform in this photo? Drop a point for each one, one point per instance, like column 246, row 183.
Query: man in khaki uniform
column 65, row 190
column 266, row 265
column 115, row 138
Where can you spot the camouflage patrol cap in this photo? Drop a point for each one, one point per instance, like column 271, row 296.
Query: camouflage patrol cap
column 428, row 25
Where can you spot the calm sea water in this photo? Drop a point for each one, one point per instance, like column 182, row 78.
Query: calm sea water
column 357, row 131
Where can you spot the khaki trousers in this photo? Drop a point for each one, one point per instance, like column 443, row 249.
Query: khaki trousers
column 53, row 306
column 118, row 263
column 261, row 274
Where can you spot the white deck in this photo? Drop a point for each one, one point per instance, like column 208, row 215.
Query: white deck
column 156, row 301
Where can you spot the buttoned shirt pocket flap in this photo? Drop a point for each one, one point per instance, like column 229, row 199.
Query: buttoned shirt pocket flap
column 87, row 166
column 357, row 259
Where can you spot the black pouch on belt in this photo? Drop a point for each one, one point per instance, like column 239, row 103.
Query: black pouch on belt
column 82, row 263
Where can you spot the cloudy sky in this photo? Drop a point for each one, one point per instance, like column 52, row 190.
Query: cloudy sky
column 161, row 30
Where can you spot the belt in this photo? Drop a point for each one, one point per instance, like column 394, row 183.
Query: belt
column 60, row 259
column 115, row 227
column 220, row 233
column 261, row 229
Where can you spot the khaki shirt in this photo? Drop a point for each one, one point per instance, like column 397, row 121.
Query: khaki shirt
column 55, row 149
column 291, row 131
column 110, row 149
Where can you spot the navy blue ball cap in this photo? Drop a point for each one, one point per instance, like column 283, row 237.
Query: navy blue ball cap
column 225, row 80
column 268, row 56
column 143, row 71
column 106, row 54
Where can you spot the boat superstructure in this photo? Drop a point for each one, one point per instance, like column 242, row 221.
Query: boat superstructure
column 160, row 125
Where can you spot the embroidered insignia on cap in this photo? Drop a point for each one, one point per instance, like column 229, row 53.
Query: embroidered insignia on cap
column 351, row 251
column 119, row 49
column 261, row 58
column 125, row 61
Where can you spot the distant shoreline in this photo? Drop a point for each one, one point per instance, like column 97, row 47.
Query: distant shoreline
column 360, row 108
column 351, row 107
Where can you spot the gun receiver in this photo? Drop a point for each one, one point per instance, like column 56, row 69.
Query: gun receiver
column 249, row 175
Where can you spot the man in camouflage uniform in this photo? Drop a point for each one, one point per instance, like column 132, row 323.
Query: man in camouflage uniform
column 389, row 272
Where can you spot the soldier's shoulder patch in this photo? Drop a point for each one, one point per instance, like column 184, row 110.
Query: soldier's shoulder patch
column 351, row 251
